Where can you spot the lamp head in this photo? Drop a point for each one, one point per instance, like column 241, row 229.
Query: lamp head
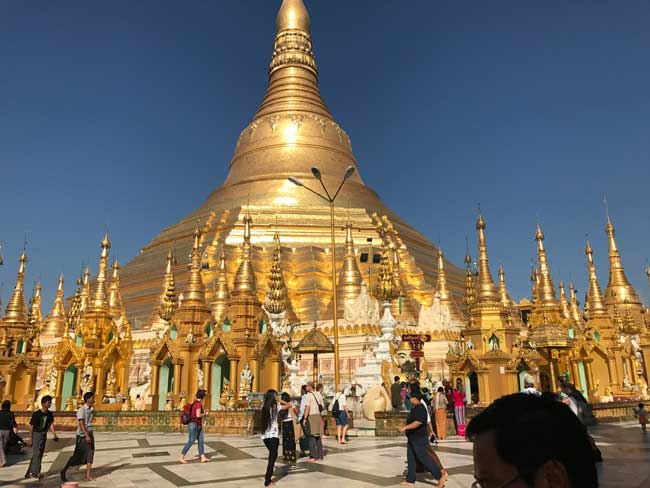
column 295, row 181
column 348, row 172
column 316, row 172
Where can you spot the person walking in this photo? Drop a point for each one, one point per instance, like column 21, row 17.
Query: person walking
column 459, row 410
column 314, row 420
column 271, row 407
column 396, row 394
column 321, row 390
column 286, row 417
column 302, row 421
column 7, row 425
column 340, row 414
column 195, row 427
column 84, row 448
column 529, row 386
column 640, row 412
column 416, row 450
column 440, row 412
column 42, row 420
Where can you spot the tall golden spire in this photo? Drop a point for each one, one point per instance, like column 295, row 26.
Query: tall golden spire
column 35, row 315
column 534, row 279
column 84, row 302
column 442, row 290
column 546, row 291
column 276, row 291
column 349, row 285
column 594, row 305
column 221, row 296
column 619, row 288
column 76, row 311
column 564, row 304
column 576, row 316
column 55, row 320
column 16, row 311
column 470, row 290
column 194, row 294
column 100, row 296
column 244, row 283
column 397, row 276
column 115, row 298
column 168, row 299
column 503, row 290
column 487, row 291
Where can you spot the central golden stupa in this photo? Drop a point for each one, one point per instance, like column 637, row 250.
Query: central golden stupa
column 292, row 131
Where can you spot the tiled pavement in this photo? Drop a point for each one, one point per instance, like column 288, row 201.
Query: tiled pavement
column 150, row 460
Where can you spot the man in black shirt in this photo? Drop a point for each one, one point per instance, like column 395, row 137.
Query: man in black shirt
column 416, row 433
column 396, row 394
column 42, row 420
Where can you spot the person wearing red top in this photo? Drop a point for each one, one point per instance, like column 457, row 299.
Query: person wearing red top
column 195, row 427
column 458, row 396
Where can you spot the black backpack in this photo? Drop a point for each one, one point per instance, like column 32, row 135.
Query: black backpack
column 336, row 411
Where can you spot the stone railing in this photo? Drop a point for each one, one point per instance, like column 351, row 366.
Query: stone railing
column 387, row 424
column 240, row 422
column 615, row 411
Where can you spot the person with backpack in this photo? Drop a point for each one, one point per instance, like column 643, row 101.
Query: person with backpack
column 340, row 414
column 192, row 416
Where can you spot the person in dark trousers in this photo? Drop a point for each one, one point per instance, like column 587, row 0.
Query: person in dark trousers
column 418, row 441
column 272, row 406
column 84, row 448
column 195, row 427
column 525, row 440
column 396, row 394
column 42, row 420
column 7, row 425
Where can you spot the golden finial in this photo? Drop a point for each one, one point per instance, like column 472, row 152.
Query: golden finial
column 221, row 295
column 99, row 299
column 594, row 304
column 85, row 291
column 546, row 291
column 115, row 297
column 56, row 319
column 397, row 275
column 16, row 311
column 470, row 291
column 292, row 16
column 76, row 311
column 194, row 294
column 384, row 290
column 276, row 291
column 503, row 290
column 244, row 283
column 618, row 288
column 35, row 315
column 349, row 284
column 441, row 287
column 168, row 298
column 564, row 304
column 574, row 310
column 487, row 291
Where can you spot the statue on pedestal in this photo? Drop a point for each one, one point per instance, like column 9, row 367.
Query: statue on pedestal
column 227, row 400
column 245, row 382
column 200, row 377
column 111, row 383
column 87, row 378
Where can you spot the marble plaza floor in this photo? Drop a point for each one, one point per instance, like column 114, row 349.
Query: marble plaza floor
column 150, row 460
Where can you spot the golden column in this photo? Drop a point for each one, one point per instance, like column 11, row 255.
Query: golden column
column 330, row 199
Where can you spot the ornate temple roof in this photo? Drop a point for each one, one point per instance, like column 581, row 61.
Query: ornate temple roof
column 314, row 342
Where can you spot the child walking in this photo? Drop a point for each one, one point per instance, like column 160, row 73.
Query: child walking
column 642, row 413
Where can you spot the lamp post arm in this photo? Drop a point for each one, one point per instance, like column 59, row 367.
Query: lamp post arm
column 329, row 197
column 316, row 193
column 339, row 188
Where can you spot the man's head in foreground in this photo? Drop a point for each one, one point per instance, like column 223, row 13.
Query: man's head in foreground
column 524, row 441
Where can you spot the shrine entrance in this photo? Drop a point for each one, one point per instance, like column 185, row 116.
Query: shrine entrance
column 220, row 372
column 165, row 382
column 69, row 385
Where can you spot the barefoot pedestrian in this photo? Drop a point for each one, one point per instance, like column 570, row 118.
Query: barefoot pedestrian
column 84, row 448
column 272, row 406
column 7, row 425
column 195, row 426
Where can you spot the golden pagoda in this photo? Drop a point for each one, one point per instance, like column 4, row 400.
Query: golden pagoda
column 96, row 357
column 292, row 131
column 56, row 318
column 493, row 359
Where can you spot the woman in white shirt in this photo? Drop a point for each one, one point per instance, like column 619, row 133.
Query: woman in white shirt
column 271, row 430
column 340, row 414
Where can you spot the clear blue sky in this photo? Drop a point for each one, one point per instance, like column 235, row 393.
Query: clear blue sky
column 126, row 113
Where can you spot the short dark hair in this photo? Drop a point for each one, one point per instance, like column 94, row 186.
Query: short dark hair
column 536, row 422
column 6, row 405
column 45, row 399
column 88, row 395
column 441, row 389
column 416, row 394
column 640, row 404
column 200, row 394
column 396, row 379
column 285, row 397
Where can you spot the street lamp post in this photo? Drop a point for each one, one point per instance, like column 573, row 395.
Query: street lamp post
column 330, row 199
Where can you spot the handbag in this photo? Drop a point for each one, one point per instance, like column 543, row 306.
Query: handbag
column 321, row 408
